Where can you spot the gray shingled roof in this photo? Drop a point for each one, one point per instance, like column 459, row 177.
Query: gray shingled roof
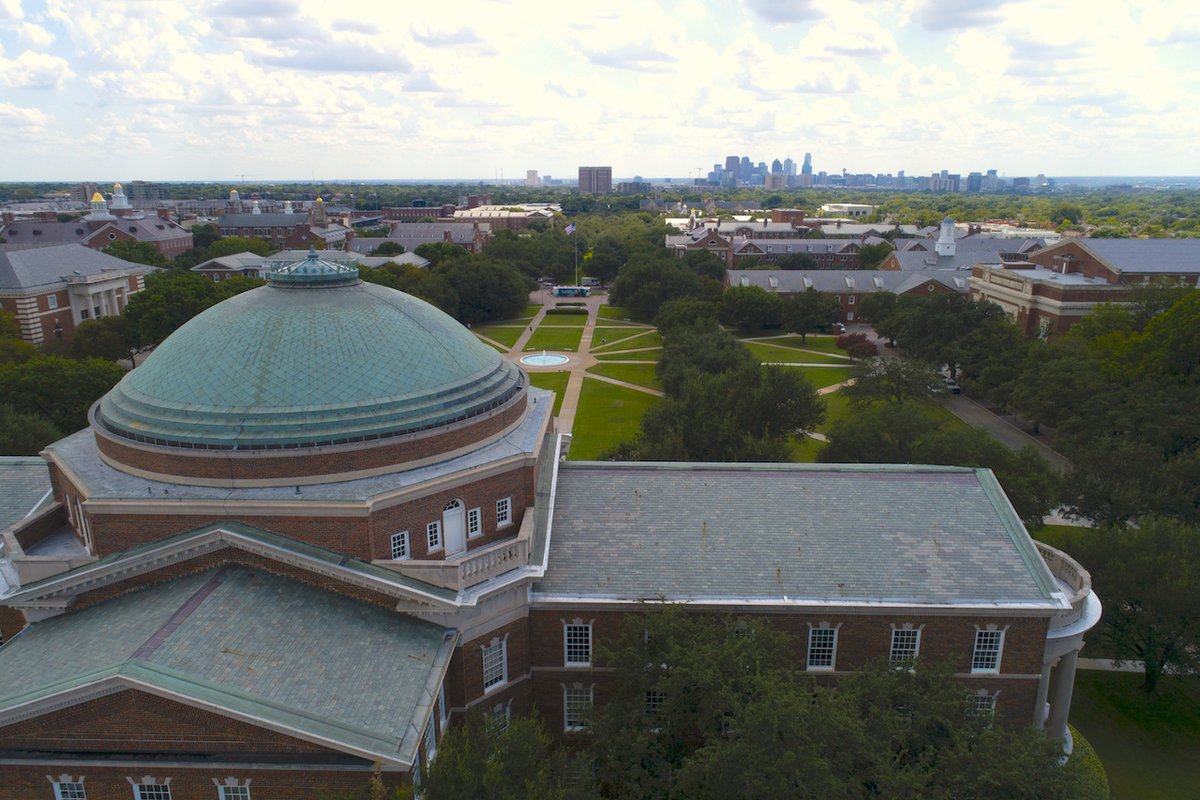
column 24, row 480
column 1173, row 256
column 255, row 643
column 24, row 267
column 836, row 534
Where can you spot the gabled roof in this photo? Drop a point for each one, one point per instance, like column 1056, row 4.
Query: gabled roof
column 249, row 645
column 236, row 261
column 823, row 280
column 1146, row 256
column 23, row 267
column 792, row 534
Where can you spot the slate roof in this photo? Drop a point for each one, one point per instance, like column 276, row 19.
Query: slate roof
column 866, row 229
column 281, row 651
column 262, row 220
column 144, row 228
column 24, row 481
column 795, row 533
column 798, row 245
column 1150, row 256
column 23, row 267
column 837, row 281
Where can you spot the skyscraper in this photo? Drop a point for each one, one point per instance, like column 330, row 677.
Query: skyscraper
column 595, row 180
column 806, row 171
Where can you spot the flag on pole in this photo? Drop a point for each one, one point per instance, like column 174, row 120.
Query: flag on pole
column 570, row 228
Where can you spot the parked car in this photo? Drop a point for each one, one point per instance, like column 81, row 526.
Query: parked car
column 952, row 386
column 838, row 328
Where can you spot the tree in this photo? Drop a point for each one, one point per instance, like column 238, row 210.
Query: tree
column 1148, row 577
column 110, row 338
column 685, row 313
column 137, row 252
column 870, row 256
column 487, row 290
column 232, row 245
column 715, row 706
column 643, row 285
column 797, row 261
column 810, row 309
column 857, row 345
column 700, row 347
column 606, row 258
column 440, row 252
column 878, row 308
column 23, row 433
column 204, row 235
column 388, row 249
column 477, row 760
column 893, row 380
column 747, row 414
column 170, row 299
column 58, row 389
column 750, row 307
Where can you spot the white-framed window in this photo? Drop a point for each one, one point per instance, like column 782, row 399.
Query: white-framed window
column 233, row 792
column 577, row 644
column 51, row 301
column 434, row 531
column 577, row 703
column 400, row 551
column 983, row 703
column 430, row 741
column 503, row 512
column 152, row 791
column 495, row 663
column 822, row 647
column 474, row 522
column 906, row 645
column 850, row 300
column 499, row 718
column 654, row 701
column 989, row 645
column 69, row 790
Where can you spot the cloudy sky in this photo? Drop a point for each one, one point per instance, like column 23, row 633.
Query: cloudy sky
column 296, row 89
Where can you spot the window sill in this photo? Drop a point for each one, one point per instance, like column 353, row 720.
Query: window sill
column 995, row 671
column 503, row 525
column 494, row 687
column 819, row 669
column 578, row 665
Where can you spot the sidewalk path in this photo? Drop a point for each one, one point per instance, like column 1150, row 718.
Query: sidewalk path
column 1001, row 429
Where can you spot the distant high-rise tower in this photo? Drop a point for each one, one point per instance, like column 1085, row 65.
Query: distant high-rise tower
column 745, row 168
column 776, row 167
column 595, row 180
column 806, row 171
column 731, row 164
column 789, row 166
column 531, row 178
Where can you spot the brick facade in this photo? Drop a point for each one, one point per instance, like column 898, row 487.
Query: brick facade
column 228, row 466
column 195, row 783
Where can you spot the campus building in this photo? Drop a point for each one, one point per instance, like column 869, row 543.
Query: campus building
column 322, row 520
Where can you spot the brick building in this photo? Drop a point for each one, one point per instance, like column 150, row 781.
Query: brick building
column 288, row 229
column 1046, row 291
column 322, row 520
column 52, row 288
column 103, row 226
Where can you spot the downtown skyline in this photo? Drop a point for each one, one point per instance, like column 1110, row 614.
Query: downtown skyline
column 288, row 89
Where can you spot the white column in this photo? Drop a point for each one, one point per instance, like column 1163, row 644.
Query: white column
column 1039, row 707
column 1060, row 700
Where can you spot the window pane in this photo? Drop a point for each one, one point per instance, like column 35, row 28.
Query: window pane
column 904, row 646
column 987, row 650
column 493, row 664
column 578, row 643
column 400, row 545
column 821, row 645
column 576, row 704
column 434, row 531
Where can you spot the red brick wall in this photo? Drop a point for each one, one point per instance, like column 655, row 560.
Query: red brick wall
column 116, row 533
column 230, row 555
column 860, row 638
column 222, row 465
column 464, row 681
column 11, row 622
column 414, row 516
column 138, row 723
column 110, row 783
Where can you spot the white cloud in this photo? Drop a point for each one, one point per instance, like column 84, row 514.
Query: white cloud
column 780, row 12
column 34, row 35
column 942, row 15
column 32, row 70
column 10, row 9
column 17, row 117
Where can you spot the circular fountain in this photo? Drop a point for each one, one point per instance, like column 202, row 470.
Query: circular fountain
column 544, row 359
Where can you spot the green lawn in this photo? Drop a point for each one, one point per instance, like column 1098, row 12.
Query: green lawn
column 607, row 416
column 641, row 374
column 836, row 407
column 1149, row 744
column 562, row 339
column 615, row 312
column 564, row 319
column 826, row 344
column 495, row 346
column 555, row 382
column 609, row 339
column 804, row 449
column 648, row 339
column 826, row 376
column 641, row 355
column 532, row 310
column 786, row 355
column 504, row 334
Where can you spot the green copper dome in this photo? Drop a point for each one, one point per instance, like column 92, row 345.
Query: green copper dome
column 315, row 357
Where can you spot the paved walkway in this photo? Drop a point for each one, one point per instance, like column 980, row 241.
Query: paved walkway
column 1002, row 430
column 581, row 360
